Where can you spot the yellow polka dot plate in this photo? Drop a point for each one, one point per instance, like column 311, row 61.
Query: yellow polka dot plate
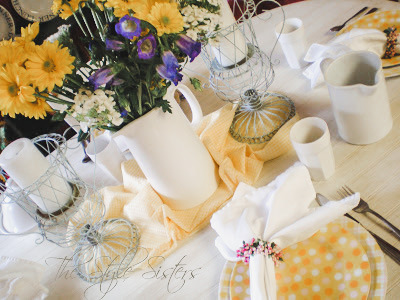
column 341, row 261
column 381, row 21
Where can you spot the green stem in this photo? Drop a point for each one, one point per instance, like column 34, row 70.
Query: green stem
column 64, row 92
column 129, row 71
column 99, row 24
column 79, row 23
column 160, row 43
column 139, row 95
column 76, row 18
column 54, row 100
column 107, row 14
column 164, row 38
column 150, row 95
column 82, row 73
column 77, row 84
column 84, row 19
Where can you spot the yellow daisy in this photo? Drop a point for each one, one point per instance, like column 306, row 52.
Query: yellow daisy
column 64, row 10
column 6, row 42
column 10, row 54
column 166, row 18
column 48, row 65
column 37, row 109
column 143, row 8
column 15, row 90
column 28, row 34
column 121, row 7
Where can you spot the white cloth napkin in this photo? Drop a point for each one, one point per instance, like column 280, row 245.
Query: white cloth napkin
column 278, row 212
column 356, row 39
column 20, row 279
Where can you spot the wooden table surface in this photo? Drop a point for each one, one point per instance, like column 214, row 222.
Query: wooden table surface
column 373, row 170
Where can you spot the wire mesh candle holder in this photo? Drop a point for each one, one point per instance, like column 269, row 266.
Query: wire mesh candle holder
column 68, row 212
column 55, row 190
column 241, row 73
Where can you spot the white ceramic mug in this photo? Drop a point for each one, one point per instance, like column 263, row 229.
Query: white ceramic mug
column 310, row 138
column 104, row 152
column 293, row 41
column 359, row 98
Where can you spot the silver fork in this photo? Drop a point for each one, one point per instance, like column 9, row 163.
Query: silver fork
column 363, row 207
column 339, row 27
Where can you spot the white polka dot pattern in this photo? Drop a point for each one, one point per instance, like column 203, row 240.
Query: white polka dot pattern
column 375, row 287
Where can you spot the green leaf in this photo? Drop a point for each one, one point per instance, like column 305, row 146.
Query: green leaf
column 83, row 136
column 164, row 104
column 196, row 83
column 59, row 116
column 124, row 102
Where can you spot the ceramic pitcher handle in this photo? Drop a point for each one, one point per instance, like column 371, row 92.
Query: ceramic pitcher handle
column 197, row 113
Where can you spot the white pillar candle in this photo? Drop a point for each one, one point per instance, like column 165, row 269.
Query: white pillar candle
column 231, row 48
column 25, row 164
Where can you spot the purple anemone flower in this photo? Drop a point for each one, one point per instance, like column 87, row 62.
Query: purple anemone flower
column 188, row 46
column 169, row 70
column 128, row 27
column 114, row 45
column 116, row 81
column 147, row 47
column 100, row 77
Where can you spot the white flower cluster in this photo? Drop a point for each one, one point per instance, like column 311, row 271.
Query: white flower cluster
column 61, row 30
column 200, row 21
column 95, row 109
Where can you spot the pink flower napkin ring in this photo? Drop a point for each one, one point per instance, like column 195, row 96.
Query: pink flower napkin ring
column 260, row 247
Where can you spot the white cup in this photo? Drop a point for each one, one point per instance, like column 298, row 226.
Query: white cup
column 311, row 139
column 293, row 41
column 104, row 152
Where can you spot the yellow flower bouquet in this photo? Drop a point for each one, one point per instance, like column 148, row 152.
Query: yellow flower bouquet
column 136, row 50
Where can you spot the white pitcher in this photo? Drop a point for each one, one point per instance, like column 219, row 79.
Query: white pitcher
column 359, row 98
column 171, row 155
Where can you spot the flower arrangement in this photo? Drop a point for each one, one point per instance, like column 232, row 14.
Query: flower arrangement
column 136, row 50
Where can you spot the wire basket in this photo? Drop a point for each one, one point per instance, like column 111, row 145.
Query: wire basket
column 71, row 213
column 241, row 73
column 55, row 196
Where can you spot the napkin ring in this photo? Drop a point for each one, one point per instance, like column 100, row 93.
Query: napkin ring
column 261, row 247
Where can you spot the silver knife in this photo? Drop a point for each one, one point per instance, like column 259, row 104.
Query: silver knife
column 387, row 248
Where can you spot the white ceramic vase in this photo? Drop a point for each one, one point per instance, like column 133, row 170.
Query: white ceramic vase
column 171, row 155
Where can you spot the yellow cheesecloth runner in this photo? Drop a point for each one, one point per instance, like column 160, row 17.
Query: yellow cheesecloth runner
column 160, row 226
